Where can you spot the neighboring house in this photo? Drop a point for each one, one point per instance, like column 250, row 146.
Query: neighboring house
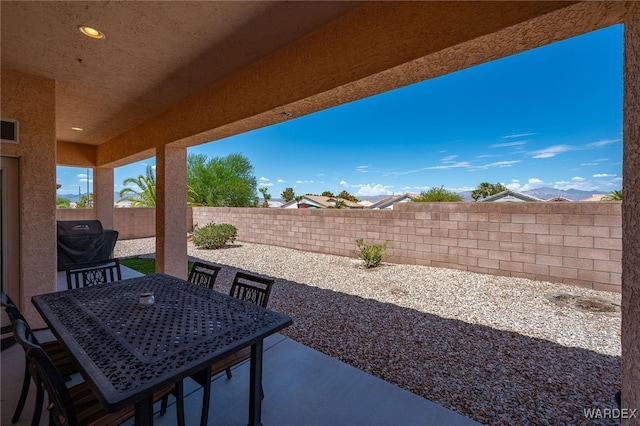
column 122, row 204
column 389, row 202
column 320, row 202
column 595, row 197
column 559, row 199
column 510, row 196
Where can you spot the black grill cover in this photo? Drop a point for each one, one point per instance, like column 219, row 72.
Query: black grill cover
column 82, row 241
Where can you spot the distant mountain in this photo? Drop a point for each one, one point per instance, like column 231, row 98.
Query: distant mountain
column 75, row 197
column 542, row 193
column 570, row 194
column 547, row 193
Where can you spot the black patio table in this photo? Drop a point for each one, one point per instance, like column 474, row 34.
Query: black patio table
column 126, row 351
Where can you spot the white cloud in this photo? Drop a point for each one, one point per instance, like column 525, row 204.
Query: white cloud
column 304, row 181
column 498, row 164
column 460, row 164
column 280, row 181
column 83, row 177
column 603, row 142
column 362, row 169
column 551, row 151
column 508, row 144
column 375, row 189
column 265, row 184
column 449, row 159
column 531, row 184
column 583, row 185
column 577, row 179
column 588, row 164
column 603, row 175
column 264, row 179
column 344, row 183
column 518, row 135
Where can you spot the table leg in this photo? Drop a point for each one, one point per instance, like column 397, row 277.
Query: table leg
column 255, row 385
column 144, row 411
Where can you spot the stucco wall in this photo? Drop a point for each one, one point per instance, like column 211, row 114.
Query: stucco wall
column 31, row 100
column 572, row 243
column 631, row 216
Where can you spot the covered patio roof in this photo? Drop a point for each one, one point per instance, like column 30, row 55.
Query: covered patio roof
column 169, row 75
column 194, row 71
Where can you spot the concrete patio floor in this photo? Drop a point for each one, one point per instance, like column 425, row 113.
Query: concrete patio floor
column 302, row 387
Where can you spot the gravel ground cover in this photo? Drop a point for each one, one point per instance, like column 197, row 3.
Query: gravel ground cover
column 502, row 351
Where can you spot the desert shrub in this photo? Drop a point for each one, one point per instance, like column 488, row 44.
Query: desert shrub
column 371, row 254
column 214, row 235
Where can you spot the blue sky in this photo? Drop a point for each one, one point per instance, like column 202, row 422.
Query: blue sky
column 551, row 116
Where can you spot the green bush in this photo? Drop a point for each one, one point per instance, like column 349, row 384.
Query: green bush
column 213, row 236
column 371, row 254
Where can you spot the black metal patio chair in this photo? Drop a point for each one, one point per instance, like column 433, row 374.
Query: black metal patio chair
column 203, row 274
column 53, row 349
column 71, row 406
column 248, row 287
column 92, row 273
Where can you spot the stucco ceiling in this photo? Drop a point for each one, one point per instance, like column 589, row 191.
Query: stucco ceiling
column 154, row 54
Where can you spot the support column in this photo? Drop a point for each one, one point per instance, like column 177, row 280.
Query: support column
column 103, row 195
column 171, row 211
column 631, row 217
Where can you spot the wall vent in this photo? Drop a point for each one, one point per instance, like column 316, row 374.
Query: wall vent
column 9, row 130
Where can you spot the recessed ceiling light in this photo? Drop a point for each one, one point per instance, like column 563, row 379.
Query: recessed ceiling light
column 79, row 129
column 91, row 32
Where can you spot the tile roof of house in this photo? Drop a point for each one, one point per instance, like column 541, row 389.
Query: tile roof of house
column 594, row 197
column 319, row 201
column 515, row 196
column 393, row 199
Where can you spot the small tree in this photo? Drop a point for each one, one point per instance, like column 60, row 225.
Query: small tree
column 371, row 254
column 340, row 204
column 85, row 201
column 266, row 196
column 437, row 195
column 62, row 203
column 327, row 194
column 486, row 189
column 221, row 181
column 145, row 194
column 346, row 196
column 288, row 195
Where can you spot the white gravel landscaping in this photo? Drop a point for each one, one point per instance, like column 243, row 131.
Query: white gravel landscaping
column 499, row 350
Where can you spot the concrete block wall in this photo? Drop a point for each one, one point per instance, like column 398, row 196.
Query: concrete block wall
column 134, row 222
column 75, row 214
column 130, row 223
column 572, row 243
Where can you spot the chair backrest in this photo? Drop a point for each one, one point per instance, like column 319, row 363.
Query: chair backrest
column 11, row 308
column 203, row 274
column 44, row 371
column 92, row 273
column 251, row 288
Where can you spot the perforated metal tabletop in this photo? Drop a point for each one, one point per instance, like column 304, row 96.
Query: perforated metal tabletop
column 126, row 351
